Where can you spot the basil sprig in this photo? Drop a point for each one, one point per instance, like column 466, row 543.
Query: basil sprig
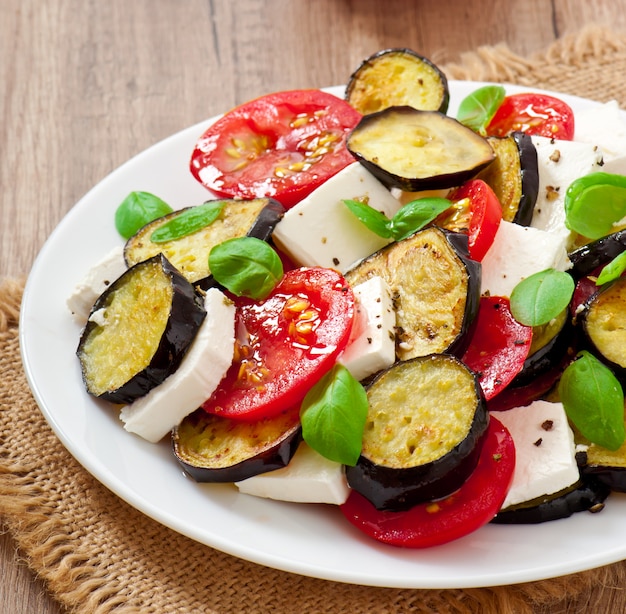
column 333, row 416
column 477, row 109
column 541, row 297
column 594, row 401
column 594, row 203
column 188, row 221
column 409, row 219
column 137, row 210
column 246, row 266
column 613, row 270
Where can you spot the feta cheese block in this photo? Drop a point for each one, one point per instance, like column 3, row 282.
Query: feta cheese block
column 308, row 478
column 155, row 414
column 516, row 253
column 373, row 348
column 560, row 163
column 97, row 280
column 321, row 231
column 545, row 460
column 604, row 126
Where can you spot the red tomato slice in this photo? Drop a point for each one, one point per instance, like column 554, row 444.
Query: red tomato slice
column 485, row 215
column 282, row 146
column 499, row 346
column 438, row 522
column 285, row 344
column 536, row 114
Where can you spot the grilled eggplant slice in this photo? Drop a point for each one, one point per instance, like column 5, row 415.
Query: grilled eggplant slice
column 514, row 176
column 587, row 494
column 397, row 77
column 424, row 432
column 604, row 325
column 418, row 150
column 435, row 290
column 586, row 260
column 607, row 466
column 190, row 253
column 216, row 449
column 138, row 331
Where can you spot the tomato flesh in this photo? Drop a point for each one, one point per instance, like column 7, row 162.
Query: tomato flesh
column 535, row 114
column 282, row 146
column 284, row 344
column 499, row 347
column 484, row 213
column 439, row 522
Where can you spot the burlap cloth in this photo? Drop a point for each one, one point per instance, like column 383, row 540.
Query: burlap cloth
column 98, row 554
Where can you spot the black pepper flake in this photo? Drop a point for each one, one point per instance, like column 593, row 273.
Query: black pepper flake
column 547, row 425
column 519, row 342
column 538, row 442
column 335, row 261
column 497, row 305
column 369, row 340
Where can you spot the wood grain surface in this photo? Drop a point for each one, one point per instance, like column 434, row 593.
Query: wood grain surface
column 86, row 84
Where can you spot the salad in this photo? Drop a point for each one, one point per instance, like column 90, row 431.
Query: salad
column 289, row 331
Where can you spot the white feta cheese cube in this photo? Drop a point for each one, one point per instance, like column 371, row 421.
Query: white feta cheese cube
column 560, row 163
column 545, row 461
column 97, row 280
column 308, row 478
column 517, row 252
column 321, row 231
column 604, row 126
column 373, row 347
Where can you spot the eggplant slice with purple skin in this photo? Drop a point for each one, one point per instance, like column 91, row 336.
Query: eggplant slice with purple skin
column 190, row 253
column 514, row 176
column 397, row 77
column 212, row 448
column 604, row 325
column 415, row 150
column 435, row 289
column 589, row 258
column 588, row 494
column 138, row 331
column 424, row 432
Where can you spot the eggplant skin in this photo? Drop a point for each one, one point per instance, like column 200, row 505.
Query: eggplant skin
column 588, row 258
column 212, row 448
column 435, row 289
column 588, row 495
column 190, row 254
column 415, row 150
column 146, row 320
column 396, row 77
column 514, row 176
column 421, row 442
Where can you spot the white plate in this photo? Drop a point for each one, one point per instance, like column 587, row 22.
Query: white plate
column 309, row 540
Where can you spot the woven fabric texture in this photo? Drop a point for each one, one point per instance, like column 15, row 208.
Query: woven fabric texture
column 99, row 555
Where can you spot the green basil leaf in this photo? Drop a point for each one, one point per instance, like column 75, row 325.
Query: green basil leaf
column 594, row 401
column 137, row 210
column 188, row 221
column 246, row 266
column 415, row 215
column 477, row 109
column 594, row 203
column 333, row 416
column 613, row 270
column 376, row 221
column 541, row 297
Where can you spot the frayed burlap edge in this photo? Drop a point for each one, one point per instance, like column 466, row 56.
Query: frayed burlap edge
column 113, row 559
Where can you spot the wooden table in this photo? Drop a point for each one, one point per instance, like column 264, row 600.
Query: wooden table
column 86, row 85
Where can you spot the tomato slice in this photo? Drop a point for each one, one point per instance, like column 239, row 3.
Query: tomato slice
column 483, row 212
column 282, row 146
column 499, row 346
column 536, row 114
column 284, row 344
column 438, row 522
